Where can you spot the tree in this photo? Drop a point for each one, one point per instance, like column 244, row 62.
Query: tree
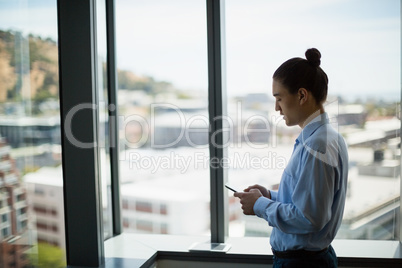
column 47, row 256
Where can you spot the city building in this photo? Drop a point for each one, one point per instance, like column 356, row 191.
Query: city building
column 20, row 131
column 170, row 209
column 45, row 199
column 14, row 234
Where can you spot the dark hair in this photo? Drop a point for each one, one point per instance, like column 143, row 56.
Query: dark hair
column 301, row 73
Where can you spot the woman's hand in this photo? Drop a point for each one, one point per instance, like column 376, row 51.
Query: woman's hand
column 248, row 199
column 262, row 189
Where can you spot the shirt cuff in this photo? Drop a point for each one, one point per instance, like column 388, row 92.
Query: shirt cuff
column 260, row 206
column 274, row 194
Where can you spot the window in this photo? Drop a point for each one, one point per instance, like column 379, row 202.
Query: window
column 24, row 224
column 5, row 232
column 53, row 211
column 131, row 134
column 39, row 190
column 39, row 209
column 47, row 227
column 143, row 206
column 163, row 102
column 103, row 108
column 21, row 211
column 125, row 204
column 163, row 209
column 164, row 228
column 126, row 222
column 363, row 101
column 41, row 226
column 29, row 122
column 20, row 197
column 144, row 226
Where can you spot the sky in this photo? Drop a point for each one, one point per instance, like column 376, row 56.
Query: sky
column 359, row 40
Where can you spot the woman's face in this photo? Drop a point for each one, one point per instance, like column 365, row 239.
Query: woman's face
column 287, row 104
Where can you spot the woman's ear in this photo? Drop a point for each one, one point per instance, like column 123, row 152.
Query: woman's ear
column 303, row 95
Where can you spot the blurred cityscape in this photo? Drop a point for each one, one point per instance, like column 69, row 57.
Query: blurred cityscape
column 164, row 155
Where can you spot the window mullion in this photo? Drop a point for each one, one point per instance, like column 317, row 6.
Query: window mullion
column 113, row 115
column 217, row 117
column 79, row 117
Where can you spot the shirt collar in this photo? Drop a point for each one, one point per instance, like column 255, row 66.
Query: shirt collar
column 312, row 126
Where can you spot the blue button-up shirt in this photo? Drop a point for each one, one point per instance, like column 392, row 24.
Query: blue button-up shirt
column 307, row 209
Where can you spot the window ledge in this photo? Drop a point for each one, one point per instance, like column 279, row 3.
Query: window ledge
column 142, row 250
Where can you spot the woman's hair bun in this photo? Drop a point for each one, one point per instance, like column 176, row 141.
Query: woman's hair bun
column 313, row 56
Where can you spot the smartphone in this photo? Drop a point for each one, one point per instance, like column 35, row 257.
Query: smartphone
column 230, row 188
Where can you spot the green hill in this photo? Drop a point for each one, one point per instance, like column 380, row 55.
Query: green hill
column 29, row 71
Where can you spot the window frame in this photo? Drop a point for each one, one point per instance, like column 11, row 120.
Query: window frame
column 78, row 78
column 81, row 180
column 217, row 111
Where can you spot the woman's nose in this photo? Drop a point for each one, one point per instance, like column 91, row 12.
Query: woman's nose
column 277, row 108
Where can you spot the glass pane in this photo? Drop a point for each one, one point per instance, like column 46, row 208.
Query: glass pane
column 360, row 46
column 31, row 184
column 162, row 76
column 103, row 109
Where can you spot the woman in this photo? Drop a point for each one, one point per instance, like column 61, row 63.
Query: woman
column 306, row 211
